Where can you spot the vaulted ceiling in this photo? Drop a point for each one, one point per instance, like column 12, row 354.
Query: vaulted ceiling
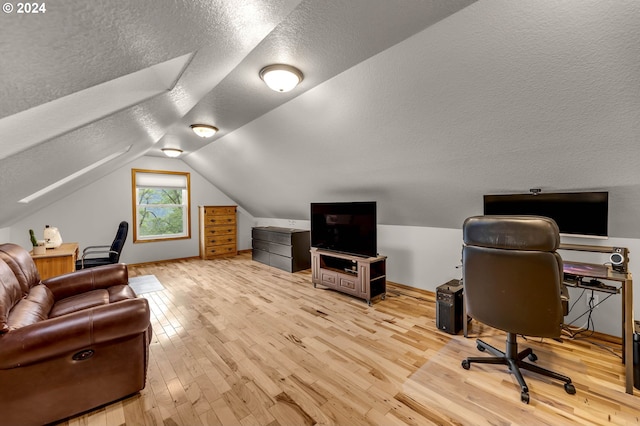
column 422, row 105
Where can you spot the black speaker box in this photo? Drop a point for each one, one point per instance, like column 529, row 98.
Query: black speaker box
column 449, row 307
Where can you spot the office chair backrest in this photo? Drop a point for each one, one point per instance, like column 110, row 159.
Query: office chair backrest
column 512, row 274
column 118, row 242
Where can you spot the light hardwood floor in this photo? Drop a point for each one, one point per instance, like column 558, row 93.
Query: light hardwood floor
column 240, row 343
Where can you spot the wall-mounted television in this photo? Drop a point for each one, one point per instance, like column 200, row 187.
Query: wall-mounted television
column 346, row 227
column 576, row 213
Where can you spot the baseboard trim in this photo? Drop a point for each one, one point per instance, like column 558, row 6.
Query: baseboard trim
column 164, row 260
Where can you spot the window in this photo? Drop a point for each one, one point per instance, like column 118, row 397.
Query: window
column 161, row 205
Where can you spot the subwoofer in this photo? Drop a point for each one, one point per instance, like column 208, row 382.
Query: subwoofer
column 449, row 307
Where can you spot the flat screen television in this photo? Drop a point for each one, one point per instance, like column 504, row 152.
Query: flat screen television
column 346, row 227
column 576, row 213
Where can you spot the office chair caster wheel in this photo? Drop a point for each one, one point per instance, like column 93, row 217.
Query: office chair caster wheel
column 533, row 357
column 466, row 364
column 481, row 348
column 569, row 388
column 524, row 397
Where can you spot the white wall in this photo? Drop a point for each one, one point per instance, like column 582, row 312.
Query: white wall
column 417, row 256
column 91, row 215
column 427, row 257
column 5, row 234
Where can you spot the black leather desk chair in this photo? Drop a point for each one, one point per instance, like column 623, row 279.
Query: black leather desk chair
column 512, row 281
column 93, row 256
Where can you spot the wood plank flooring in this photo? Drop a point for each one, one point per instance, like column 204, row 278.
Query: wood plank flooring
column 240, row 343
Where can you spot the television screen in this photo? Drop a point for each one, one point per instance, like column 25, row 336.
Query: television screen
column 576, row 213
column 347, row 227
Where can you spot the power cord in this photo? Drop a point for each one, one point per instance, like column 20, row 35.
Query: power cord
column 589, row 327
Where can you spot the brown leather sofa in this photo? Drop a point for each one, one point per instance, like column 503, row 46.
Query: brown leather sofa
column 67, row 344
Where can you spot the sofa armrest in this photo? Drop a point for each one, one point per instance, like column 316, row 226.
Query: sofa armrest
column 73, row 283
column 68, row 334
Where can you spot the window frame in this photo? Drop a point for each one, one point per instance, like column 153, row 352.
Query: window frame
column 186, row 206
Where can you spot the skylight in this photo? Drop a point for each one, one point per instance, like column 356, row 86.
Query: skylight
column 71, row 177
column 38, row 124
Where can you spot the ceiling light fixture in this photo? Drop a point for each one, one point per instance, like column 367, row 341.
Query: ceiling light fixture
column 172, row 152
column 204, row 130
column 280, row 77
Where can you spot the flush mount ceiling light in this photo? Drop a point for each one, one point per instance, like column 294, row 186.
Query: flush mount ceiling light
column 280, row 77
column 204, row 130
column 172, row 152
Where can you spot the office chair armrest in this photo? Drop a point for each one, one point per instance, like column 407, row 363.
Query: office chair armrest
column 94, row 252
column 89, row 248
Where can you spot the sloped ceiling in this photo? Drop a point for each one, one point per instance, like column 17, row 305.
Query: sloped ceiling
column 420, row 105
column 500, row 97
column 64, row 106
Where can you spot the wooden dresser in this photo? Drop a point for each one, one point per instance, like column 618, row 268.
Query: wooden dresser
column 218, row 230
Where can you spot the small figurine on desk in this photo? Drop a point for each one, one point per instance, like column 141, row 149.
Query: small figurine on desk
column 52, row 237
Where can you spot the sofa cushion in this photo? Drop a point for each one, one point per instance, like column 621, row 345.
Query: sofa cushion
column 22, row 265
column 32, row 309
column 10, row 294
column 79, row 302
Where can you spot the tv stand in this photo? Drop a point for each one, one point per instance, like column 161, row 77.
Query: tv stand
column 362, row 277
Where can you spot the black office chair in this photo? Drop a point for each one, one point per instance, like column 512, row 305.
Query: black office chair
column 104, row 255
column 512, row 280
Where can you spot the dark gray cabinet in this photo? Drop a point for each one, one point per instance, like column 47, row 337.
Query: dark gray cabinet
column 282, row 248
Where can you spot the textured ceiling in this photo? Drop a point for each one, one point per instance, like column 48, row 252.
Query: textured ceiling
column 421, row 105
column 500, row 97
column 64, row 70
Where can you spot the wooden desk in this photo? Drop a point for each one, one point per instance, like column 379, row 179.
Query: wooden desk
column 57, row 261
column 602, row 272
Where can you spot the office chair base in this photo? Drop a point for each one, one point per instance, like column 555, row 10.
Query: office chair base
column 515, row 361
